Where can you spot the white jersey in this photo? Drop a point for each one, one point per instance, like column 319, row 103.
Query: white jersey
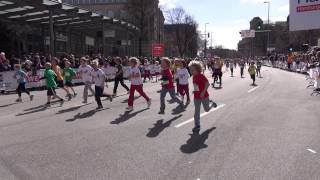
column 158, row 68
column 153, row 69
column 135, row 80
column 85, row 72
column 183, row 76
column 110, row 72
column 99, row 77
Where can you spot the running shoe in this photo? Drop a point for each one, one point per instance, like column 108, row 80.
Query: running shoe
column 99, row 108
column 31, row 97
column 196, row 129
column 149, row 103
column 129, row 108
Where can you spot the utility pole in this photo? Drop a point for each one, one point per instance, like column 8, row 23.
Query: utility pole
column 268, row 33
column 205, row 40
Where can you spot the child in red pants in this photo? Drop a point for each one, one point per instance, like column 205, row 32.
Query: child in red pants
column 136, row 83
column 183, row 83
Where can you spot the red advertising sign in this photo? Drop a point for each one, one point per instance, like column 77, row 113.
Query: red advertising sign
column 157, row 50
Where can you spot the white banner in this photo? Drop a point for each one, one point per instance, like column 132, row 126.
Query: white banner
column 109, row 33
column 304, row 15
column 89, row 41
column 9, row 83
column 248, row 33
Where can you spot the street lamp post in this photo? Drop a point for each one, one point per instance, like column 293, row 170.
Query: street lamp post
column 205, row 40
column 268, row 33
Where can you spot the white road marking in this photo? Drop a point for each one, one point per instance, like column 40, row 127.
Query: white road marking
column 202, row 115
column 312, row 151
column 253, row 89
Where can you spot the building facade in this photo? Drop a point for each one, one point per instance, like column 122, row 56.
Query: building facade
column 117, row 9
column 280, row 39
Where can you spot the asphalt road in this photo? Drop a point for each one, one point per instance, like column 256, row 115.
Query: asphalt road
column 271, row 132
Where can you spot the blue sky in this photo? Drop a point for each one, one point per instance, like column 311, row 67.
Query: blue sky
column 228, row 17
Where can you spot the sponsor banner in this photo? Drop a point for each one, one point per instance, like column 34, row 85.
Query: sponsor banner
column 89, row 41
column 157, row 49
column 9, row 83
column 304, row 15
column 109, row 33
column 248, row 33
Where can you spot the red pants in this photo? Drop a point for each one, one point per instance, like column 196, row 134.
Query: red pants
column 139, row 89
column 184, row 90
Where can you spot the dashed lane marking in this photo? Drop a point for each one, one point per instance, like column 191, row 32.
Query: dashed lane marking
column 253, row 89
column 202, row 115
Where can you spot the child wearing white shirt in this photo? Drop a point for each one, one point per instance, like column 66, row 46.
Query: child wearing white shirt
column 85, row 72
column 99, row 78
column 136, row 83
column 183, row 76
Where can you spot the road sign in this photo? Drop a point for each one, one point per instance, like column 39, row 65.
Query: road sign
column 248, row 33
column 304, row 15
column 157, row 50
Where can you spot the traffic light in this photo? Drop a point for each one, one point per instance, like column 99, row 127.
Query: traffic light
column 259, row 28
column 290, row 49
column 208, row 35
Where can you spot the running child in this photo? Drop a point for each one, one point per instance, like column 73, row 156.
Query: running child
column 136, row 83
column 68, row 74
column 21, row 78
column 183, row 83
column 201, row 95
column 50, row 76
column 99, row 78
column 59, row 78
column 167, row 85
column 85, row 73
column 232, row 67
column 252, row 71
column 259, row 64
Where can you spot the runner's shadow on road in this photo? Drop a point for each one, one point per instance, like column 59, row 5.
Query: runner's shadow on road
column 126, row 101
column 7, row 105
column 126, row 116
column 180, row 109
column 41, row 106
column 72, row 109
column 217, row 88
column 159, row 126
column 196, row 142
column 39, row 109
column 85, row 115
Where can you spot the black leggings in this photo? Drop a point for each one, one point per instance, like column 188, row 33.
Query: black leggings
column 22, row 88
column 116, row 84
column 99, row 93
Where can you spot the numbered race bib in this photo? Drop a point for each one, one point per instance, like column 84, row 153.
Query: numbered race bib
column 196, row 88
column 165, row 82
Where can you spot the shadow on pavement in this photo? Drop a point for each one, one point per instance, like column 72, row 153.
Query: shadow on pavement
column 179, row 109
column 127, row 116
column 135, row 98
column 72, row 109
column 196, row 142
column 7, row 105
column 35, row 110
column 84, row 115
column 159, row 126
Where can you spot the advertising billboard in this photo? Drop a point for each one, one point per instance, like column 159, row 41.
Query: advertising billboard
column 304, row 15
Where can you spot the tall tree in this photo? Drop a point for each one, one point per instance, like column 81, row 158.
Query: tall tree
column 185, row 28
column 141, row 11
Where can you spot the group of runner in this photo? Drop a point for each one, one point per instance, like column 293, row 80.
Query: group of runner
column 171, row 71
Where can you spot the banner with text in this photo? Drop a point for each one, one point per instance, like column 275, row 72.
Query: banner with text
column 304, row 15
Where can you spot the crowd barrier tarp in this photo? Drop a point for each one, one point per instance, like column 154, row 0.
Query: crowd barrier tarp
column 9, row 83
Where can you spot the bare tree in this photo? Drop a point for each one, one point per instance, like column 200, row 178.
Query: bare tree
column 185, row 27
column 141, row 11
